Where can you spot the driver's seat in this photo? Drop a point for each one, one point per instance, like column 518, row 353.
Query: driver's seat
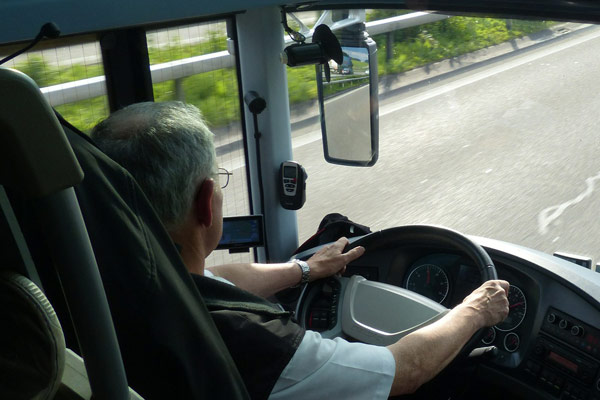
column 169, row 344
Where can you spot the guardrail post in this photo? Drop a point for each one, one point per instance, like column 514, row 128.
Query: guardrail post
column 179, row 91
column 389, row 46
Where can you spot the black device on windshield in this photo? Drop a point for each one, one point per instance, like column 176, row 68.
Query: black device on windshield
column 241, row 233
column 292, row 185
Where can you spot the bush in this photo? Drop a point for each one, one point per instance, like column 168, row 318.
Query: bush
column 452, row 37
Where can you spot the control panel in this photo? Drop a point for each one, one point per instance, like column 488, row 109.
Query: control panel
column 566, row 358
column 322, row 312
column 572, row 331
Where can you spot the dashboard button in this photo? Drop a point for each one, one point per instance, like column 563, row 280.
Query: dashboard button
column 563, row 324
column 577, row 330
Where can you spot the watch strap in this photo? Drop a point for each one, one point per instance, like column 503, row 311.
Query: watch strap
column 305, row 271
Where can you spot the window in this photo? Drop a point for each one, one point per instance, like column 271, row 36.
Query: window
column 71, row 77
column 192, row 63
column 486, row 126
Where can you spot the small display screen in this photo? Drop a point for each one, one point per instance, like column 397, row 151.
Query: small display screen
column 242, row 232
column 560, row 360
column 289, row 172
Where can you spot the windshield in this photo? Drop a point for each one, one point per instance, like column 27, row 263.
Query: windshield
column 487, row 126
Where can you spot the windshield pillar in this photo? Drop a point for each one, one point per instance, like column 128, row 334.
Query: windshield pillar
column 260, row 36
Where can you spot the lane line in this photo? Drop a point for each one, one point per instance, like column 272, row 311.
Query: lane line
column 550, row 214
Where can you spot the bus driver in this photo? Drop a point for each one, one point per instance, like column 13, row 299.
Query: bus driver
column 168, row 148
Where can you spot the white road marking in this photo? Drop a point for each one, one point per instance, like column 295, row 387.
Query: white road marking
column 550, row 214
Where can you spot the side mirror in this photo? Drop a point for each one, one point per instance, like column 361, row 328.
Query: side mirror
column 349, row 105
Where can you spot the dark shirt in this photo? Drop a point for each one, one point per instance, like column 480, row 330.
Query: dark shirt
column 260, row 337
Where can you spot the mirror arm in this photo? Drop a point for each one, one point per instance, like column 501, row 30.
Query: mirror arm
column 295, row 36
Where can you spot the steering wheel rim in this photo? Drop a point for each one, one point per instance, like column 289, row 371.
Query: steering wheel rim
column 433, row 235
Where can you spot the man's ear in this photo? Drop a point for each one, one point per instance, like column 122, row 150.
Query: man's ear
column 203, row 202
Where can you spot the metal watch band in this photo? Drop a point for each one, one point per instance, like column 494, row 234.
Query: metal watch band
column 305, row 271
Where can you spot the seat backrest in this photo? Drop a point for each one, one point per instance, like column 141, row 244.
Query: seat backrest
column 39, row 167
column 170, row 345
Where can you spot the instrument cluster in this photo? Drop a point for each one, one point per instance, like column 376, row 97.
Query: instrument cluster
column 448, row 279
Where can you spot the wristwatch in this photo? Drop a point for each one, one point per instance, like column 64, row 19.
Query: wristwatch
column 305, row 271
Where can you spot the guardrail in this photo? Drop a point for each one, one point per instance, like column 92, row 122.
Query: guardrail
column 84, row 89
column 337, row 81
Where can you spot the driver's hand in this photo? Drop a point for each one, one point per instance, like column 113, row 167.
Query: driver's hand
column 330, row 259
column 490, row 302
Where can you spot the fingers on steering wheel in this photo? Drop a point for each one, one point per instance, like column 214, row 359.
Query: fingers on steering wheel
column 342, row 243
column 353, row 254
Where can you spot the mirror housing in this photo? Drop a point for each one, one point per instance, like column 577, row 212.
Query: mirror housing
column 349, row 104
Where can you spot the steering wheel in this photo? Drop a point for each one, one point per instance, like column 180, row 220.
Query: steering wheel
column 380, row 313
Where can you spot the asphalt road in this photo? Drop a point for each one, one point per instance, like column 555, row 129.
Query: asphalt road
column 507, row 150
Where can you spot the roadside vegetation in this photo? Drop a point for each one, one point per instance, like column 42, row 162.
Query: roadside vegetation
column 421, row 45
column 216, row 92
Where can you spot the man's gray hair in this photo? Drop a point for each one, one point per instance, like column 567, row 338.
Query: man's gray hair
column 167, row 147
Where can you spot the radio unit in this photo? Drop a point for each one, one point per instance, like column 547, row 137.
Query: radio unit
column 578, row 334
column 564, row 361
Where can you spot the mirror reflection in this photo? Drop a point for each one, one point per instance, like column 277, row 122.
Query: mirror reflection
column 348, row 109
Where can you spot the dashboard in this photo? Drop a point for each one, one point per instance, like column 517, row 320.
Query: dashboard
column 448, row 278
column 549, row 345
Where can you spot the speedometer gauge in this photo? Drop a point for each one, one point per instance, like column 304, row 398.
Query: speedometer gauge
column 430, row 281
column 517, row 310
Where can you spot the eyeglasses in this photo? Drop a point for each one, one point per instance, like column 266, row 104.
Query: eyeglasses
column 224, row 177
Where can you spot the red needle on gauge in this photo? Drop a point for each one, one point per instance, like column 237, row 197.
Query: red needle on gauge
column 516, row 304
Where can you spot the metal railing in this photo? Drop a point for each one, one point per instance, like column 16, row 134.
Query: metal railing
column 85, row 89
